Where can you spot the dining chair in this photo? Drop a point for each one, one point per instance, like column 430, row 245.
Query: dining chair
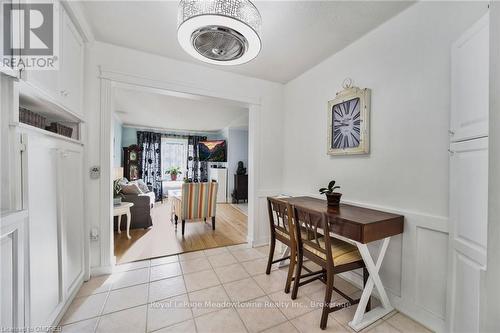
column 332, row 254
column 281, row 231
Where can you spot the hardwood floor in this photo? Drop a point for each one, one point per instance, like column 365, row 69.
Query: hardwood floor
column 162, row 239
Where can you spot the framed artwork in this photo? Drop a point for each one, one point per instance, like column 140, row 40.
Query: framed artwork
column 349, row 122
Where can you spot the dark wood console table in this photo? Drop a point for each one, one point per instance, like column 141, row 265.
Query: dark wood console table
column 360, row 226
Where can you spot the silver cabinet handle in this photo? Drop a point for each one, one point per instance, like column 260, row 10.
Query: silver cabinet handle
column 451, row 132
column 451, row 152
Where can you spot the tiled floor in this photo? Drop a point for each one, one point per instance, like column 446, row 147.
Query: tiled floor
column 217, row 290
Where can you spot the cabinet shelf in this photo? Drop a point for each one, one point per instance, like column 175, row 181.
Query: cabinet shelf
column 49, row 133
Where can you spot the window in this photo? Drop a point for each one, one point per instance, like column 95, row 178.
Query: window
column 173, row 154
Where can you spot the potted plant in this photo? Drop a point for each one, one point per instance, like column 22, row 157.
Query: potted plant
column 117, row 188
column 173, row 172
column 332, row 197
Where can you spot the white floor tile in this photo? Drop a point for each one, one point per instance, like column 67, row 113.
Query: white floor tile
column 260, row 314
column 292, row 308
column 231, row 273
column 195, row 265
column 223, row 259
column 184, row 327
column 243, row 290
column 286, row 327
column 208, row 300
column 226, row 320
column 191, row 255
column 125, row 298
column 247, row 255
column 310, row 323
column 405, row 324
column 166, row 288
column 165, row 271
column 168, row 312
column 200, row 280
column 272, row 282
column 84, row 308
column 95, row 285
column 130, row 320
column 131, row 266
column 130, row 278
column 84, row 326
column 215, row 251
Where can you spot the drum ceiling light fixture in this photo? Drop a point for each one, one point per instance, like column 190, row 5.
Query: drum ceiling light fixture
column 221, row 32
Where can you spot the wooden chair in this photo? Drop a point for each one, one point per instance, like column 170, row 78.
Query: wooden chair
column 333, row 255
column 280, row 230
column 197, row 201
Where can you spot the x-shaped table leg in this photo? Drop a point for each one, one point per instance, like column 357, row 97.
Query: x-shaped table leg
column 362, row 319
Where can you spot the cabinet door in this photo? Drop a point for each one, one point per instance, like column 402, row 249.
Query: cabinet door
column 46, row 80
column 468, row 231
column 71, row 65
column 44, row 263
column 71, row 196
column 470, row 83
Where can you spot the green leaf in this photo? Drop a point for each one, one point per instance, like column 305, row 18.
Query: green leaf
column 331, row 185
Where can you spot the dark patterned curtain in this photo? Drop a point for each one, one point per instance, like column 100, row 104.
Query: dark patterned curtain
column 197, row 171
column 150, row 166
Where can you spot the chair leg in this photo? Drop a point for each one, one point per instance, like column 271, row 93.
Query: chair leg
column 298, row 271
column 183, row 226
column 213, row 222
column 365, row 279
column 293, row 260
column 328, row 298
column 272, row 245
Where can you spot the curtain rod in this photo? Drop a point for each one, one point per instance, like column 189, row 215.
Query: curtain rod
column 166, row 130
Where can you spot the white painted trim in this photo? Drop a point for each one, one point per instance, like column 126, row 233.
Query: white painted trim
column 110, row 80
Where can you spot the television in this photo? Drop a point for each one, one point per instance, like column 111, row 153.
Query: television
column 212, row 151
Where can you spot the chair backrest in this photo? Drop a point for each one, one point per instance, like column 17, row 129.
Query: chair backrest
column 198, row 200
column 278, row 218
column 311, row 227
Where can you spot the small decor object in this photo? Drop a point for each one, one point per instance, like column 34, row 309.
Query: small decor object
column 348, row 121
column 241, row 170
column 220, row 32
column 173, row 172
column 31, row 118
column 117, row 188
column 332, row 197
column 60, row 129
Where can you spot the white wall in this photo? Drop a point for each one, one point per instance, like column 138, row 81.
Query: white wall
column 267, row 141
column 117, row 141
column 406, row 63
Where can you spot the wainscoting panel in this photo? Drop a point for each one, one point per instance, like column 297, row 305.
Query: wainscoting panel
column 431, row 269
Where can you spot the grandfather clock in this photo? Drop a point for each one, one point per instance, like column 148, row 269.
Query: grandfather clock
column 131, row 160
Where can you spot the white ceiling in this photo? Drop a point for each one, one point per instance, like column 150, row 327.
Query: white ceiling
column 162, row 111
column 296, row 35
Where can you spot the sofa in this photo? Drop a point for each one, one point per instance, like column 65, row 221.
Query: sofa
column 143, row 202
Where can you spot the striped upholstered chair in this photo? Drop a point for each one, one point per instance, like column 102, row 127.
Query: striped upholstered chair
column 196, row 202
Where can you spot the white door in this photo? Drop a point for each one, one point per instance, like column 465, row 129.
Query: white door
column 71, row 196
column 470, row 83
column 468, row 231
column 44, row 263
column 71, row 85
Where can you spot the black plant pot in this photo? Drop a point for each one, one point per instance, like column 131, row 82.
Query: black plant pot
column 333, row 199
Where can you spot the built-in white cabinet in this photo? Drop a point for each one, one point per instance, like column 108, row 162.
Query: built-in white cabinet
column 470, row 83
column 44, row 250
column 72, row 224
column 468, row 220
column 65, row 85
column 54, row 195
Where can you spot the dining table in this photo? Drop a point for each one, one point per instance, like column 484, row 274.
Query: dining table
column 360, row 226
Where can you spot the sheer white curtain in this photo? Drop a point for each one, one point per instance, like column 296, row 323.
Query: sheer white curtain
column 173, row 154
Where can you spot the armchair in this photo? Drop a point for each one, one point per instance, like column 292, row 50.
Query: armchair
column 197, row 201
